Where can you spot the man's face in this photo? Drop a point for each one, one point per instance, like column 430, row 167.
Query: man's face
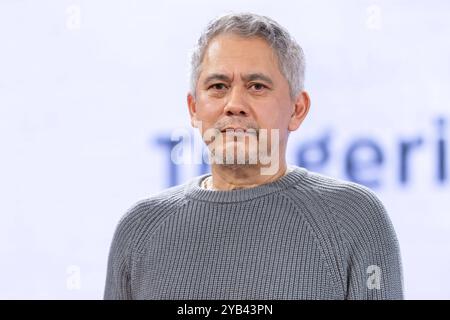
column 240, row 85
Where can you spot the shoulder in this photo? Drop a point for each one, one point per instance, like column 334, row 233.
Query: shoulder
column 342, row 193
column 149, row 208
column 359, row 212
column 371, row 249
column 144, row 214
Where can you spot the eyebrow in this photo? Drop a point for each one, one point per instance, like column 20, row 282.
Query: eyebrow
column 217, row 76
column 257, row 76
column 247, row 77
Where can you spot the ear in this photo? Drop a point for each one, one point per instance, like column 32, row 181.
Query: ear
column 192, row 109
column 300, row 110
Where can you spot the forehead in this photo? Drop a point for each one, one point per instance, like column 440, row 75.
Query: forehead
column 229, row 53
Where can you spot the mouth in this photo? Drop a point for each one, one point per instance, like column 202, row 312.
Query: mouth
column 238, row 130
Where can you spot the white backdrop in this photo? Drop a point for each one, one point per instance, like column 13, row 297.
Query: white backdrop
column 91, row 92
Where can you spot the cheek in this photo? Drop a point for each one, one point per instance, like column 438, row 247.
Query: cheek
column 282, row 117
column 275, row 121
column 208, row 113
column 209, row 108
column 269, row 118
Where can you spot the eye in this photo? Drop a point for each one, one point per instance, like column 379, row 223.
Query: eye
column 218, row 86
column 258, row 86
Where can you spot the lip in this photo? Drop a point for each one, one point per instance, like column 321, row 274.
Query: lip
column 238, row 131
column 234, row 129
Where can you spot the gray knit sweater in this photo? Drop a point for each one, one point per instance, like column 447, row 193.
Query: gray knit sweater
column 303, row 236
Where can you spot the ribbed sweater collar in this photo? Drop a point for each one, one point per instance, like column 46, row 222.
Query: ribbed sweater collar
column 195, row 191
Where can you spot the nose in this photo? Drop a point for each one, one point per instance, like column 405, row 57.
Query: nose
column 236, row 104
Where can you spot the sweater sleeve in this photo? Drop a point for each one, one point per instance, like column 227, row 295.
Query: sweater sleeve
column 374, row 268
column 117, row 286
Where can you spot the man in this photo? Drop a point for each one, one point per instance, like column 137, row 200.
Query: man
column 254, row 228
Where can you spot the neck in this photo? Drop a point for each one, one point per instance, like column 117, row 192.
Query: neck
column 228, row 177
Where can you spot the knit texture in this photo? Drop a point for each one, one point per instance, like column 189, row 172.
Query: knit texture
column 303, row 236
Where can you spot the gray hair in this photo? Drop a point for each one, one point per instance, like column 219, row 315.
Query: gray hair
column 290, row 55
